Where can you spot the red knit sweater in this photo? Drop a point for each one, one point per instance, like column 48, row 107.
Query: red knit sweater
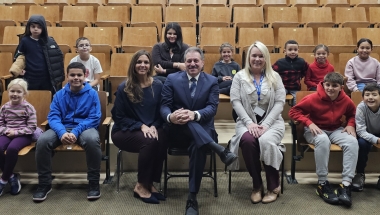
column 316, row 73
column 319, row 109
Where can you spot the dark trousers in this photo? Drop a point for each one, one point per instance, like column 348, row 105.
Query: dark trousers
column 12, row 146
column 225, row 87
column 364, row 148
column 152, row 153
column 251, row 153
column 193, row 137
column 48, row 141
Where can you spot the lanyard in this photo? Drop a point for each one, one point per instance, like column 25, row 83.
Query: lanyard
column 258, row 86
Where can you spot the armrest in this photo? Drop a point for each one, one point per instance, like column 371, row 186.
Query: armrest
column 107, row 121
column 5, row 77
column 103, row 77
column 44, row 124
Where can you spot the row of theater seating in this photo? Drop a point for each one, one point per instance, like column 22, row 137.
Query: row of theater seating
column 225, row 3
column 106, row 39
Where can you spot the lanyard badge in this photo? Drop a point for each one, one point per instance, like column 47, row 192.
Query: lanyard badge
column 258, row 86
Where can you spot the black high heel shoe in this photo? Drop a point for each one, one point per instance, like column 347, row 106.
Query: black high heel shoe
column 151, row 200
column 159, row 196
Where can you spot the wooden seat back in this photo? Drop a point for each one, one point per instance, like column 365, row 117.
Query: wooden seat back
column 65, row 37
column 210, row 16
column 303, row 36
column 337, row 44
column 184, row 15
column 113, row 16
column 182, row 2
column 264, row 35
column 121, row 3
column 248, row 17
column 242, row 3
column 50, row 13
column 136, row 38
column 213, row 37
column 147, row 16
column 213, row 3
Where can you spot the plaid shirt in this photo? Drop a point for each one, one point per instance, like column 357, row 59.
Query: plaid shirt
column 291, row 71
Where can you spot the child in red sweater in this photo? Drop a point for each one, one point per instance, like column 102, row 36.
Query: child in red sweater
column 319, row 68
column 321, row 114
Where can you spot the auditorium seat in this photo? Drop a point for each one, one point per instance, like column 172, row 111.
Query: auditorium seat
column 316, row 17
column 372, row 34
column 337, row 39
column 184, row 15
column 78, row 16
column 351, row 17
column 211, row 38
column 277, row 17
column 50, row 13
column 242, row 3
column 272, row 3
column 147, row 16
column 182, row 2
column 11, row 16
column 247, row 36
column 10, row 38
column 299, row 4
column 103, row 40
column 129, row 3
column 374, row 16
column 65, row 37
column 214, row 16
column 94, row 3
column 61, row 4
column 213, row 3
column 162, row 3
column 188, row 35
column 6, row 60
column 136, row 38
column 113, row 16
column 119, row 70
column 248, row 17
column 304, row 37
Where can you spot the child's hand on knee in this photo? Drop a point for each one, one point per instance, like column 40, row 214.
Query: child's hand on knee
column 314, row 129
column 350, row 130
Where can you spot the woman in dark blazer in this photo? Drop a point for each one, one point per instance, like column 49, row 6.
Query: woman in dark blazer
column 138, row 124
column 168, row 56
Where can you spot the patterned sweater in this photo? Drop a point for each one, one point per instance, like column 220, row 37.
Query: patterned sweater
column 21, row 118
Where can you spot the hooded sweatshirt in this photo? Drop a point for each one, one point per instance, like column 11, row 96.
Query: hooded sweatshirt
column 316, row 73
column 362, row 71
column 319, row 109
column 76, row 111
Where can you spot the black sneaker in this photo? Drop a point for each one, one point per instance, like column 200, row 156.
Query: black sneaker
column 327, row 194
column 344, row 194
column 358, row 182
column 378, row 184
column 93, row 190
column 15, row 184
column 41, row 192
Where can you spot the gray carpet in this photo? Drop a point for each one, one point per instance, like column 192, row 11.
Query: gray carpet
column 71, row 199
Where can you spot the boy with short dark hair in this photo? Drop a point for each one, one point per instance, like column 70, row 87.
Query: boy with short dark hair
column 92, row 64
column 74, row 118
column 321, row 113
column 368, row 129
column 291, row 68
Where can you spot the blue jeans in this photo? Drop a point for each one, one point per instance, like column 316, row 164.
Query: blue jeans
column 364, row 148
column 293, row 93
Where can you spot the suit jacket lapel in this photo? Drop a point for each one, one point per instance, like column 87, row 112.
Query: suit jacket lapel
column 200, row 83
column 185, row 84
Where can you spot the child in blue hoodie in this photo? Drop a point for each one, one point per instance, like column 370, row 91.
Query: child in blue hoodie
column 74, row 118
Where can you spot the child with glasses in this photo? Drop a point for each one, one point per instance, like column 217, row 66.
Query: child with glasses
column 92, row 64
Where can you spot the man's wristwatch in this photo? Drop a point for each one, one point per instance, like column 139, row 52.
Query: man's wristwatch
column 195, row 116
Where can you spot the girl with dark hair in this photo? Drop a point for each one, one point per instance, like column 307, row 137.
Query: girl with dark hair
column 138, row 124
column 168, row 56
column 362, row 69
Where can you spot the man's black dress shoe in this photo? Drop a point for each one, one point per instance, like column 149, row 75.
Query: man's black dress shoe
column 228, row 157
column 191, row 207
column 150, row 200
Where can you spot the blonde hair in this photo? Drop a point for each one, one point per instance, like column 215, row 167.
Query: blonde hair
column 23, row 84
column 269, row 72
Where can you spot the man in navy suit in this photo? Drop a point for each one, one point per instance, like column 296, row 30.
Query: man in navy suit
column 189, row 103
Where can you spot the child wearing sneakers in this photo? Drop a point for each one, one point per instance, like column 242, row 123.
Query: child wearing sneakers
column 92, row 64
column 368, row 129
column 321, row 113
column 225, row 68
column 291, row 68
column 18, row 122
